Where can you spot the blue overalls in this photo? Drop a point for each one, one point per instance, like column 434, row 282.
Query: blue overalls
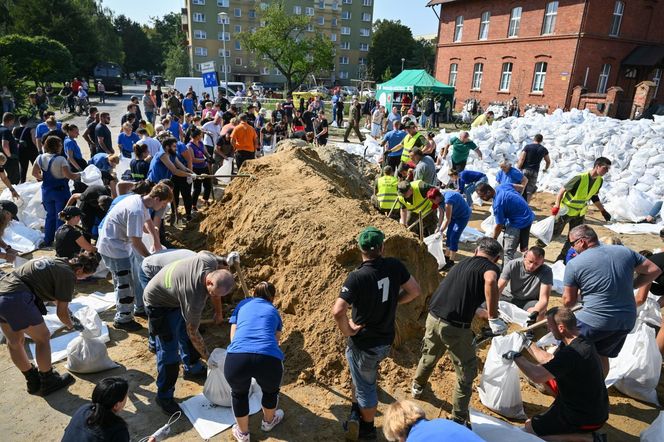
column 55, row 194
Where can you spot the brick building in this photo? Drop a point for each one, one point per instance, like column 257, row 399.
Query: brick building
column 540, row 50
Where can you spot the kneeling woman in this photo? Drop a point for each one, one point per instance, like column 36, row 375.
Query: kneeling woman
column 254, row 353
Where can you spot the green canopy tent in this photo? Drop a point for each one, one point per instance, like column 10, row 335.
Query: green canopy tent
column 412, row 82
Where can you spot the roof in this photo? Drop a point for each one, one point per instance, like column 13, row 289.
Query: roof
column 439, row 2
column 411, row 79
column 645, row 56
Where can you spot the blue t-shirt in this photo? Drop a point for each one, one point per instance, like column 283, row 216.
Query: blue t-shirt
column 513, row 176
column 468, row 177
column 441, row 429
column 158, row 170
column 460, row 209
column 571, row 253
column 188, row 105
column 257, row 321
column 71, row 149
column 174, row 129
column 101, row 161
column 393, row 138
column 604, row 276
column 392, row 117
column 127, row 142
column 42, row 129
column 510, row 209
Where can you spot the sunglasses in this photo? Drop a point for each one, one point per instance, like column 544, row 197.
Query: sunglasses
column 573, row 242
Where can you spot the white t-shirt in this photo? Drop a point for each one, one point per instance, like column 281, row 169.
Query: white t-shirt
column 215, row 129
column 124, row 221
column 153, row 145
column 56, row 165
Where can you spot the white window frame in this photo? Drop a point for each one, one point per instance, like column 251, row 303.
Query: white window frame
column 309, row 11
column 265, row 71
column 366, row 16
column 200, row 51
column 198, row 2
column 237, row 12
column 364, row 47
column 343, row 75
column 226, row 68
column 236, row 61
column 348, row 2
column 345, row 30
column 539, row 77
column 310, row 27
column 515, row 22
column 224, row 36
column 237, row 28
column 603, row 81
column 506, row 76
column 221, row 53
column 223, row 20
column 297, row 10
column 362, row 61
column 344, row 59
column 478, row 74
column 199, row 34
column 484, row 26
column 251, row 13
column 346, row 15
column 334, row 21
column 364, row 32
column 320, row 20
column 345, row 45
column 454, row 70
column 238, row 45
column 550, row 14
column 367, row 2
column 333, row 37
column 458, row 28
column 321, row 4
column 198, row 17
column 223, row 3
column 616, row 18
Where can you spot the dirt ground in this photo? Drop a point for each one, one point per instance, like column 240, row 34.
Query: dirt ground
column 315, row 400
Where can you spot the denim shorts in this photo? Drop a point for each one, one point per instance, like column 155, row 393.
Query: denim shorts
column 364, row 370
column 18, row 309
column 608, row 343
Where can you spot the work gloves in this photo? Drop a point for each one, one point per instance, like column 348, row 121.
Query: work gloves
column 76, row 323
column 233, row 258
column 606, row 215
column 555, row 210
column 511, row 355
column 498, row 326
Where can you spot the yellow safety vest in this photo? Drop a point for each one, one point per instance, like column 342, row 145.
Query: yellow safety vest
column 387, row 192
column 408, row 144
column 578, row 203
column 421, row 204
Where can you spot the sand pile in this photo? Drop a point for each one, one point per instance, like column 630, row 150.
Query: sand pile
column 295, row 223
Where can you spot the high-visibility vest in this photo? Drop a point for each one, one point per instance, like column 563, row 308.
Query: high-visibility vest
column 408, row 144
column 387, row 192
column 421, row 204
column 578, row 202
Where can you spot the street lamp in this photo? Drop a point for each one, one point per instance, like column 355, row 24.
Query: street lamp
column 402, row 60
column 224, row 16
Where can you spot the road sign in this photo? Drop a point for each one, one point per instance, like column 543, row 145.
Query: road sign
column 208, row 66
column 210, row 79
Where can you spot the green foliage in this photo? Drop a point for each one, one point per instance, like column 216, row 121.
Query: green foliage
column 176, row 63
column 36, row 58
column 137, row 47
column 284, row 43
column 16, row 85
column 424, row 55
column 165, row 36
column 387, row 75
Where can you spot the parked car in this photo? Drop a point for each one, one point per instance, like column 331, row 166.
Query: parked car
column 158, row 80
column 349, row 91
column 321, row 90
column 110, row 74
column 368, row 93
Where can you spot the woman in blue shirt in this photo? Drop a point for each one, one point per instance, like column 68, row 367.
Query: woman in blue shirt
column 127, row 139
column 254, row 353
column 72, row 150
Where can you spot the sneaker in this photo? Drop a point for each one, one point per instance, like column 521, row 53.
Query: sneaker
column 33, row 380
column 346, row 141
column 52, row 381
column 130, row 326
column 141, row 314
column 352, row 425
column 416, row 390
column 278, row 417
column 463, row 422
column 168, row 406
column 239, row 435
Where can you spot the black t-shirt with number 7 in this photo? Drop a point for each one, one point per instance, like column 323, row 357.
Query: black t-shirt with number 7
column 373, row 290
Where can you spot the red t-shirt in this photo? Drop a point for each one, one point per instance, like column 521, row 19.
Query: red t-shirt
column 75, row 86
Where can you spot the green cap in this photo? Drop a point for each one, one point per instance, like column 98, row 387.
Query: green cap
column 370, row 239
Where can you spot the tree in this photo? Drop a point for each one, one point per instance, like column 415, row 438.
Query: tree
column 391, row 41
column 283, row 43
column 424, row 54
column 176, row 63
column 166, row 35
column 137, row 47
column 387, row 75
column 37, row 58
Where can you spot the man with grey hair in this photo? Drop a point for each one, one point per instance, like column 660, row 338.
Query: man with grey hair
column 468, row 284
column 604, row 275
column 425, row 168
column 461, row 147
column 511, row 175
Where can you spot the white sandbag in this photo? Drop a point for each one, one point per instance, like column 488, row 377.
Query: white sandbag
column 225, row 169
column 87, row 353
column 443, row 172
column 22, row 238
column 491, row 429
column 30, row 209
column 655, row 432
column 216, row 389
column 91, row 176
column 558, row 270
column 543, row 229
column 123, row 165
column 512, row 313
column 499, row 388
column 488, row 225
column 471, row 234
column 102, row 271
column 434, row 245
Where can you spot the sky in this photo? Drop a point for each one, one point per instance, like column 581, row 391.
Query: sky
column 420, row 19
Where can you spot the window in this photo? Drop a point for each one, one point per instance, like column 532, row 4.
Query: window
column 199, row 17
column 657, row 78
column 345, row 15
column 238, row 46
column 237, row 12
column 478, row 70
column 458, row 28
column 333, row 37
column 277, row 71
column 343, row 74
column 335, row 6
column 310, row 28
column 321, row 4
column 252, row 13
column 506, row 77
column 348, row 2
column 265, row 71
column 309, row 11
column 297, row 10
column 199, row 2
column 539, row 77
column 223, row 20
column 320, row 20
column 454, row 68
column 515, row 22
column 366, row 16
column 484, row 25
column 343, row 60
column 361, row 61
column 344, row 45
column 199, row 35
column 603, row 79
column 227, row 53
column 202, row 52
column 264, row 6
column 197, row 67
column 238, row 61
column 345, row 30
column 262, row 24
column 224, row 36
column 225, row 69
column 364, row 32
column 238, row 28
column 334, row 21
column 364, row 47
column 223, row 3
column 367, row 2
column 549, row 24
column 618, row 10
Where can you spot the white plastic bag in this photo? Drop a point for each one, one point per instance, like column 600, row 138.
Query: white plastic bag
column 543, row 229
column 91, row 176
column 216, row 389
column 434, row 245
column 488, row 225
column 87, row 353
column 511, row 313
column 499, row 388
column 655, row 432
column 22, row 238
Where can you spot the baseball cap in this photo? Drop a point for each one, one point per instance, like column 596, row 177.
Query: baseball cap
column 9, row 207
column 410, row 123
column 370, row 238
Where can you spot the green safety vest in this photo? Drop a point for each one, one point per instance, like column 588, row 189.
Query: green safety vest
column 408, row 144
column 578, row 202
column 421, row 204
column 387, row 192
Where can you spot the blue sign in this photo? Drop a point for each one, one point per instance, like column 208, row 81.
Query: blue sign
column 210, row 79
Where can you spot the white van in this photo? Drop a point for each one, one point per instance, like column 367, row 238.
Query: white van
column 182, row 85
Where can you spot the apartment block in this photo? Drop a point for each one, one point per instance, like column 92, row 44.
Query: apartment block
column 347, row 23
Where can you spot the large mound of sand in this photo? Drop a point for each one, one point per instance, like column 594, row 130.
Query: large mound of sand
column 295, row 223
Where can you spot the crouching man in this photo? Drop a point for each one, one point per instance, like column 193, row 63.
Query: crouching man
column 574, row 375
